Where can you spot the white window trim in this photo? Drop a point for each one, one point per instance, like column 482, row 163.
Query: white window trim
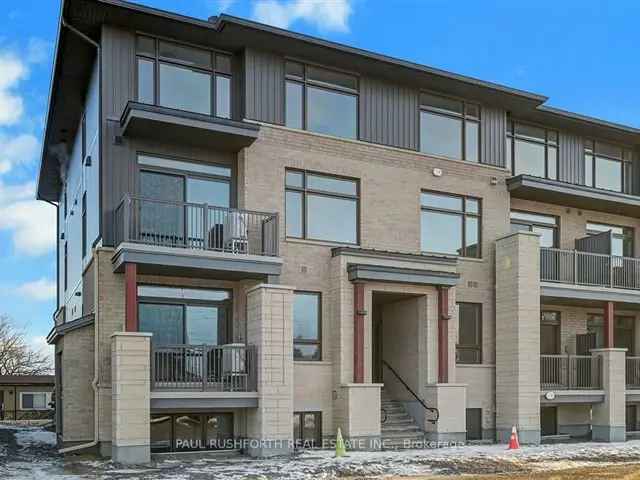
column 47, row 400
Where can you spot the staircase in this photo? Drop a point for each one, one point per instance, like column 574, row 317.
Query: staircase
column 399, row 430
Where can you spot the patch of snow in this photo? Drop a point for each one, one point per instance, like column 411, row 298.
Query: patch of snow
column 26, row 438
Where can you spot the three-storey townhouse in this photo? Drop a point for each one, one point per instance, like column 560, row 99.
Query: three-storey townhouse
column 264, row 237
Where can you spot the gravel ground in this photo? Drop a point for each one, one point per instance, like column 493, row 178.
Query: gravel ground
column 29, row 452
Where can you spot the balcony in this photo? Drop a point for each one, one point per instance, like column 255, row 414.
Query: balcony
column 181, row 238
column 633, row 373
column 589, row 276
column 570, row 372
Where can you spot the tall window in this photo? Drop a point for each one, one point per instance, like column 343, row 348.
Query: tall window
column 549, row 333
column 450, row 224
column 307, row 326
column 450, row 128
column 321, row 100
column 307, row 429
column 545, row 225
column 189, row 316
column 532, row 150
column 183, row 77
column 607, row 166
column 469, row 347
column 621, row 237
column 321, row 207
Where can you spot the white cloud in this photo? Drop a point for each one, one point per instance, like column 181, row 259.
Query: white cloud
column 11, row 104
column 324, row 14
column 39, row 290
column 32, row 223
column 20, row 149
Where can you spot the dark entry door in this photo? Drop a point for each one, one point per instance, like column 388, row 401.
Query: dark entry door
column 632, row 418
column 548, row 421
column 1, row 404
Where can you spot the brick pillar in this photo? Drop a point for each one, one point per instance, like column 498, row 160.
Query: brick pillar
column 270, row 329
column 518, row 337
column 130, row 396
column 608, row 421
column 131, row 297
column 608, row 324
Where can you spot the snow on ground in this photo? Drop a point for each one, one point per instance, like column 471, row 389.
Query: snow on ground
column 32, row 455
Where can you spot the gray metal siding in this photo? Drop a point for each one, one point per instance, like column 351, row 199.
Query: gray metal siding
column 493, row 127
column 118, row 70
column 264, row 86
column 388, row 114
column 570, row 158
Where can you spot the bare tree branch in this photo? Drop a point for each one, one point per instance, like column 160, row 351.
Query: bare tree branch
column 16, row 356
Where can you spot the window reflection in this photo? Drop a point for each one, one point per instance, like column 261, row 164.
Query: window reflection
column 331, row 113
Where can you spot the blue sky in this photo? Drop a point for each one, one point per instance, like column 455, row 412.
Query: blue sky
column 581, row 54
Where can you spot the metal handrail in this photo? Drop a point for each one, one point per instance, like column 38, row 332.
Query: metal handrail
column 420, row 401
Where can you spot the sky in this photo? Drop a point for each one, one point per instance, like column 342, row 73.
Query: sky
column 582, row 54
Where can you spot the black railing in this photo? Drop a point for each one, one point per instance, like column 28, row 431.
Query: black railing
column 195, row 226
column 223, row 368
column 433, row 410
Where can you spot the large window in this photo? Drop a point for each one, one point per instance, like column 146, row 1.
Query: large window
column 544, row 225
column 532, row 150
column 450, row 224
column 34, row 401
column 177, row 316
column 621, row 237
column 449, row 128
column 307, row 429
column 307, row 326
column 469, row 347
column 607, row 166
column 186, row 432
column 321, row 207
column 321, row 100
column 183, row 77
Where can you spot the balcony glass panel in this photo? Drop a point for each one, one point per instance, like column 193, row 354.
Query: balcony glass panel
column 185, row 89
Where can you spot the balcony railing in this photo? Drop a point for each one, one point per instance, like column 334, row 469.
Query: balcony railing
column 196, row 226
column 225, row 368
column 592, row 269
column 570, row 372
column 633, row 373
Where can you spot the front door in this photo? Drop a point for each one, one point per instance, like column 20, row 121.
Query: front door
column 632, row 418
column 548, row 421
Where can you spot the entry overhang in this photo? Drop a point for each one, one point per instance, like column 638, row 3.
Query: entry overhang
column 380, row 273
column 200, row 401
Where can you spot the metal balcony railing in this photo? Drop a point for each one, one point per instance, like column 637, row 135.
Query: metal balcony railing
column 585, row 268
column 633, row 373
column 195, row 226
column 570, row 372
column 224, row 368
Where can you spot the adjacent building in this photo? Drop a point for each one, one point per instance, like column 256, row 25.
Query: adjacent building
column 26, row 397
column 264, row 237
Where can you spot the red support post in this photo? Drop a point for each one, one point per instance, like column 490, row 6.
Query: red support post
column 130, row 297
column 358, row 332
column 443, row 334
column 608, row 324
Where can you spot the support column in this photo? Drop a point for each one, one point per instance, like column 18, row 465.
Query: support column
column 443, row 334
column 131, row 297
column 608, row 324
column 518, row 337
column 608, row 421
column 130, row 397
column 358, row 332
column 270, row 329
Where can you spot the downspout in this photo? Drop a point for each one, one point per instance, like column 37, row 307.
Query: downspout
column 96, row 346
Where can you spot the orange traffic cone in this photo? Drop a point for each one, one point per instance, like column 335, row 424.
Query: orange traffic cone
column 514, row 444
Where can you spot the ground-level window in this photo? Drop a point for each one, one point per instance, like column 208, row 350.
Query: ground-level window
column 469, row 347
column 450, row 224
column 307, row 326
column 34, row 401
column 188, row 432
column 321, row 207
column 544, row 225
column 549, row 333
column 307, row 429
column 474, row 423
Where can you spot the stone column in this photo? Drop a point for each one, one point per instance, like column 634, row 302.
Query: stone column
column 130, row 396
column 451, row 401
column 518, row 337
column 608, row 421
column 270, row 329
